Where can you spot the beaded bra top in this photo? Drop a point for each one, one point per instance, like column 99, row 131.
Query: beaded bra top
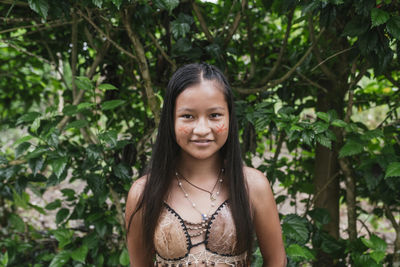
column 174, row 245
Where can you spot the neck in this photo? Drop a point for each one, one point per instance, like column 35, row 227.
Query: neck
column 199, row 170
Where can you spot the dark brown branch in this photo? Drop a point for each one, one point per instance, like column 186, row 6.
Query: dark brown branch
column 332, row 56
column 250, row 43
column 144, row 68
column 22, row 50
column 12, row 2
column 50, row 24
column 222, row 33
column 235, row 23
column 155, row 42
column 106, row 36
column 315, row 84
column 274, row 83
column 202, row 22
column 282, row 50
column 74, row 51
column 331, row 76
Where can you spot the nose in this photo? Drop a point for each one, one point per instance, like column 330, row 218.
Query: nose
column 202, row 128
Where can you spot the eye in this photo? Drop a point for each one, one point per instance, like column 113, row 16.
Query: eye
column 215, row 115
column 187, row 116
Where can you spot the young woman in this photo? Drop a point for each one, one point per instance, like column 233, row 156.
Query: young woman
column 198, row 205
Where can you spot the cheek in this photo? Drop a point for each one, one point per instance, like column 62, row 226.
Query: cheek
column 221, row 128
column 182, row 130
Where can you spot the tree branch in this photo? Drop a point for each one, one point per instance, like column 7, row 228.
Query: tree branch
column 96, row 62
column 331, row 76
column 393, row 81
column 202, row 22
column 162, row 51
column 50, row 24
column 144, row 69
column 332, row 56
column 106, row 36
column 74, row 52
column 12, row 2
column 250, row 43
column 235, row 23
column 22, row 50
column 282, row 50
column 315, row 84
column 274, row 83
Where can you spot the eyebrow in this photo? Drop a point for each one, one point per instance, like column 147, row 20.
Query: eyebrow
column 192, row 110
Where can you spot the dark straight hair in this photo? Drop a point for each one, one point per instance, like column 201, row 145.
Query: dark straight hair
column 166, row 150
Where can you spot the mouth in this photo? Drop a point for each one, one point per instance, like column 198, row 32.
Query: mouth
column 202, row 141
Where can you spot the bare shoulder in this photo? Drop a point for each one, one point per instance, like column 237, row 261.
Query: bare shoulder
column 136, row 190
column 256, row 180
column 257, row 184
column 135, row 193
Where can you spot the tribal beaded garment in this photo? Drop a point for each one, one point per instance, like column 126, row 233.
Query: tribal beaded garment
column 173, row 240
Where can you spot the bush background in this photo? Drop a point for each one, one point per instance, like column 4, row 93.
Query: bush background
column 317, row 89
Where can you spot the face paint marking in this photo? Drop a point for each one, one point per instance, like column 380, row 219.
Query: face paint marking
column 184, row 129
column 221, row 128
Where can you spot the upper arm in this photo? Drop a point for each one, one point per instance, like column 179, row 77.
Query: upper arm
column 134, row 225
column 265, row 218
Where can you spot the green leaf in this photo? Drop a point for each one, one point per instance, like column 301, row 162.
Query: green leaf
column 323, row 116
column 21, row 149
column 110, row 137
column 28, row 117
column 61, row 215
column 355, row 27
column 39, row 6
column 16, row 222
column 21, row 200
column 167, row 4
column 70, row 110
column 181, row 25
column 294, row 227
column 69, row 193
column 375, row 243
column 351, row 148
column 379, row 16
column 58, row 166
column 393, row 170
column 107, row 86
column 23, row 139
column 4, row 259
column 37, row 152
column 79, row 254
column 111, row 104
column 97, row 3
column 60, row 259
column 368, row 135
column 378, row 256
column 35, row 125
column 76, row 124
column 323, row 140
column 393, row 26
column 83, row 83
column 85, row 105
column 298, row 253
column 320, row 127
column 121, row 171
column 124, row 257
column 338, row 123
column 53, row 205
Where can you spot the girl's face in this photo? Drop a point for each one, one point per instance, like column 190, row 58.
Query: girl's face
column 201, row 119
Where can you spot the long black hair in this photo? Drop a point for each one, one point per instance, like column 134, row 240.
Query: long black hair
column 166, row 150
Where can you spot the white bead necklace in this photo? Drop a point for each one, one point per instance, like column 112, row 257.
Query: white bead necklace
column 204, row 216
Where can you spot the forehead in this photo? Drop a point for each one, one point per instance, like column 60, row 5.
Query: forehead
column 206, row 94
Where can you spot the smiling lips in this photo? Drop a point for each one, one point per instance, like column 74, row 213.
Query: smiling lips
column 201, row 142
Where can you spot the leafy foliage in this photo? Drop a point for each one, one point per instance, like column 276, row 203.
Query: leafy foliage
column 81, row 86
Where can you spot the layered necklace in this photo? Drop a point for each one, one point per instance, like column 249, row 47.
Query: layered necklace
column 197, row 229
